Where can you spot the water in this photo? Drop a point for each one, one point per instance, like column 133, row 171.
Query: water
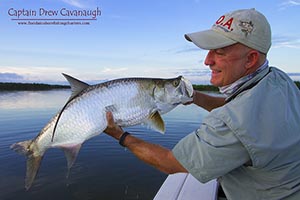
column 103, row 169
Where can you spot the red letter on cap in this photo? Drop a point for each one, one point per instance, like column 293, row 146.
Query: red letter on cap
column 228, row 24
column 220, row 19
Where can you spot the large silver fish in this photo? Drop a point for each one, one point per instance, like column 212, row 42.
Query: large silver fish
column 131, row 100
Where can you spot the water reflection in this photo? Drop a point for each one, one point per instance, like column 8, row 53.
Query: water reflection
column 103, row 169
column 33, row 99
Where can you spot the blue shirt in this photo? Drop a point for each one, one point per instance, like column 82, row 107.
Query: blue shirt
column 252, row 143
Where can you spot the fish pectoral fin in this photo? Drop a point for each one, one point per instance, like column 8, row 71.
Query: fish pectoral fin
column 156, row 122
column 76, row 85
column 71, row 153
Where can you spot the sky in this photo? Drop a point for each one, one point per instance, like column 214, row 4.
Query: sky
column 127, row 38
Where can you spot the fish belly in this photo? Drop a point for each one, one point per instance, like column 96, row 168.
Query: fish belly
column 85, row 116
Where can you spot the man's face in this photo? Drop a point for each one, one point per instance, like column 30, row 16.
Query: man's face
column 227, row 64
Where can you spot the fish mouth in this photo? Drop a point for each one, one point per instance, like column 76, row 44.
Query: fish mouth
column 188, row 87
column 186, row 92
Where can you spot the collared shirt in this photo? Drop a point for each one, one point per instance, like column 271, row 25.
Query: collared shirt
column 260, row 127
column 228, row 90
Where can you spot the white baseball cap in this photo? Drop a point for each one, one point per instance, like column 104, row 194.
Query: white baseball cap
column 246, row 26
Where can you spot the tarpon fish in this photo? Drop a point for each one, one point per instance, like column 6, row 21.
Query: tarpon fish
column 132, row 101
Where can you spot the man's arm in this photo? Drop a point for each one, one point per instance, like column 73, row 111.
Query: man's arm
column 152, row 154
column 206, row 101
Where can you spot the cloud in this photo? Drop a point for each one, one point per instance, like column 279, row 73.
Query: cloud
column 75, row 3
column 196, row 75
column 294, row 76
column 194, row 72
column 187, row 50
column 113, row 72
column 184, row 49
column 11, row 77
column 28, row 74
column 289, row 3
column 286, row 41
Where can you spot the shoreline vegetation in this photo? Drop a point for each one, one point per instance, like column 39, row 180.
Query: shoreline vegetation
column 41, row 86
column 30, row 86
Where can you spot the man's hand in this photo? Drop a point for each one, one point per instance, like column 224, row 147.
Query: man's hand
column 112, row 128
column 155, row 155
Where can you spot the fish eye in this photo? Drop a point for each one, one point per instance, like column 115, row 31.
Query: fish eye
column 175, row 83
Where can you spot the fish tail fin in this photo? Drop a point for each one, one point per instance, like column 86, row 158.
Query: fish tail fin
column 22, row 147
column 33, row 165
column 33, row 161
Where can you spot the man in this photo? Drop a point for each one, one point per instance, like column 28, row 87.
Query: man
column 250, row 140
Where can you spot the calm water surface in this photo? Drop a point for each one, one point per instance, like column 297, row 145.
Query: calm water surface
column 103, row 169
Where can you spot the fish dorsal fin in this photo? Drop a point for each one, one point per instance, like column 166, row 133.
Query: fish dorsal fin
column 156, row 122
column 76, row 85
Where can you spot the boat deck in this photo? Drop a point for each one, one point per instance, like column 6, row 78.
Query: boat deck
column 182, row 186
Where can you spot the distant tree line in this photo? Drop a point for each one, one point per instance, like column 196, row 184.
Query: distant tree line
column 30, row 86
column 298, row 84
column 214, row 88
column 40, row 86
column 205, row 88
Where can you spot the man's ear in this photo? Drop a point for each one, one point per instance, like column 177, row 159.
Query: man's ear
column 252, row 59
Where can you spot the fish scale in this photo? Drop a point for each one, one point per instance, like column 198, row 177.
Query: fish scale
column 132, row 101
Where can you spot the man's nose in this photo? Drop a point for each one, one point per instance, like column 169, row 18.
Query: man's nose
column 209, row 59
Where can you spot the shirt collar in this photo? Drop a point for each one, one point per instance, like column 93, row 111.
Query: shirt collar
column 228, row 90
